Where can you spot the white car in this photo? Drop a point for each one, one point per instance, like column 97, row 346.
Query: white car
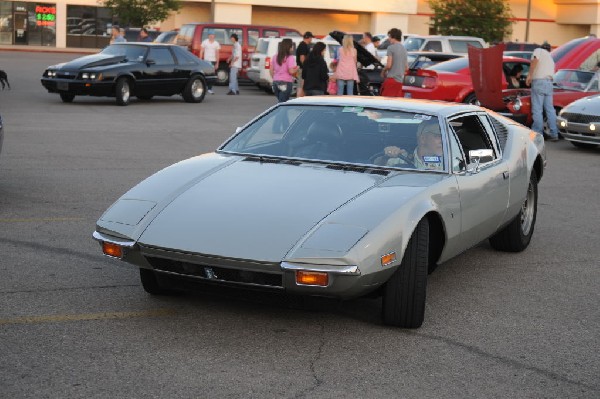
column 266, row 49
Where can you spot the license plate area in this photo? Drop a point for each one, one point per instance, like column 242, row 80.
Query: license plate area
column 64, row 86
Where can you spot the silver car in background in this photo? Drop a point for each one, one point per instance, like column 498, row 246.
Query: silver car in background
column 579, row 122
column 334, row 196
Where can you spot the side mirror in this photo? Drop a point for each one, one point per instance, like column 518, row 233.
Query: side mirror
column 478, row 157
column 150, row 62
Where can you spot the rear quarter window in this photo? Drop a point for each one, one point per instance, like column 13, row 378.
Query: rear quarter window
column 451, row 66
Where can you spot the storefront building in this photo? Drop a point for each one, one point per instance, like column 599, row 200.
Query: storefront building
column 84, row 24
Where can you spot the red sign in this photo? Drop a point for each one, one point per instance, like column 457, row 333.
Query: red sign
column 45, row 15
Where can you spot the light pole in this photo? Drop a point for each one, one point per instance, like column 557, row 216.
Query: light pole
column 527, row 23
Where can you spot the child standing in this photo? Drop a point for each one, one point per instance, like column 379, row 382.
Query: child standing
column 332, row 85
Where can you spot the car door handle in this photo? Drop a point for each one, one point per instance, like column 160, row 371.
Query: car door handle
column 505, row 175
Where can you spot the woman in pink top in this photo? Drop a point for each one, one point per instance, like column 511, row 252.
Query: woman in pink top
column 282, row 70
column 346, row 72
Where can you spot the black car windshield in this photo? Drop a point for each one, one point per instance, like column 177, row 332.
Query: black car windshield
column 130, row 52
column 344, row 134
column 573, row 79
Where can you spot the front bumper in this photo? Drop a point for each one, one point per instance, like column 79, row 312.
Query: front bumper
column 78, row 87
column 587, row 133
column 344, row 281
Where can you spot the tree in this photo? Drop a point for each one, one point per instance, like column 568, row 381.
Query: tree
column 141, row 12
column 488, row 19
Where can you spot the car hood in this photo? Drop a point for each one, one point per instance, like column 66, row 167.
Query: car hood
column 233, row 207
column 363, row 56
column 586, row 105
column 485, row 65
column 94, row 60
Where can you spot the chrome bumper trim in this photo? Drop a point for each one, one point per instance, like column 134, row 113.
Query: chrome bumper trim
column 113, row 240
column 342, row 270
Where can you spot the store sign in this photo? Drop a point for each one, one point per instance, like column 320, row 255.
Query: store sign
column 45, row 15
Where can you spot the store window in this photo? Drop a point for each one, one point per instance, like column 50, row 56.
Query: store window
column 6, row 22
column 88, row 26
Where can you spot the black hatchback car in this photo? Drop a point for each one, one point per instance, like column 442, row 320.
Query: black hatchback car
column 123, row 70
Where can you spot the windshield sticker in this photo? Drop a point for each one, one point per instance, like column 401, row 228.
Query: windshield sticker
column 422, row 117
column 353, row 109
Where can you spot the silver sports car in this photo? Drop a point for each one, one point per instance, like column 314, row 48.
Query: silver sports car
column 334, row 196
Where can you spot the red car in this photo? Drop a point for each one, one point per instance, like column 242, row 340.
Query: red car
column 569, row 85
column 574, row 53
column 451, row 80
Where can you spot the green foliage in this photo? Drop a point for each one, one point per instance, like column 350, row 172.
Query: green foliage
column 141, row 12
column 488, row 19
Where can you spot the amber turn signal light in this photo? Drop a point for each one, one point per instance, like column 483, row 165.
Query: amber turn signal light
column 111, row 249
column 312, row 278
column 387, row 259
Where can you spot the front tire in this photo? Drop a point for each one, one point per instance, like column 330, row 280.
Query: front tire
column 404, row 293
column 123, row 91
column 516, row 236
column 66, row 97
column 151, row 285
column 194, row 90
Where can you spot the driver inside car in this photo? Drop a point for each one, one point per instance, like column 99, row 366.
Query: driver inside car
column 428, row 154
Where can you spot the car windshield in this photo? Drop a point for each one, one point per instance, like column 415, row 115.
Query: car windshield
column 413, row 43
column 573, row 79
column 345, row 135
column 131, row 52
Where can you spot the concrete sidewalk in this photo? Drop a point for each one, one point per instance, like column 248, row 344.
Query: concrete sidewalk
column 48, row 49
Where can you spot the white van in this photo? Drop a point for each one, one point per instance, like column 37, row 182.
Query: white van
column 266, row 48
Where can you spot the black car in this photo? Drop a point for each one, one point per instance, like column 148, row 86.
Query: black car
column 123, row 70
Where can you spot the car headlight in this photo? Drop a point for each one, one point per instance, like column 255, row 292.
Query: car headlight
column 50, row 74
column 517, row 104
column 85, row 75
column 92, row 76
column 563, row 123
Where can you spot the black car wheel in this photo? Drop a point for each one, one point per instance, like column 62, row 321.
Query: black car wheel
column 151, row 285
column 471, row 99
column 66, row 97
column 195, row 90
column 404, row 293
column 583, row 145
column 516, row 236
column 123, row 91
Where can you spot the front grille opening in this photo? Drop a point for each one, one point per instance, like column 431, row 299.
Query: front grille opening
column 216, row 274
column 580, row 118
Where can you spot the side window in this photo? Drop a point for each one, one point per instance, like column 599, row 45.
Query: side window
column 433, row 45
column 253, row 38
column 237, row 31
column 270, row 33
column 161, row 56
column 184, row 38
column 461, row 46
column 458, row 163
column 472, row 135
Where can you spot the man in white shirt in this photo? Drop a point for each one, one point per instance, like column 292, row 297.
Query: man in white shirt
column 209, row 51
column 368, row 44
column 540, row 76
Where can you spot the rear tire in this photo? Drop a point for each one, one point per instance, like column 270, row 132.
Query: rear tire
column 151, row 285
column 222, row 75
column 194, row 90
column 123, row 91
column 516, row 236
column 404, row 293
column 66, row 97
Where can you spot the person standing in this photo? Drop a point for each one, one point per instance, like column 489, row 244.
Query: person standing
column 368, row 44
column 144, row 36
column 346, row 72
column 301, row 54
column 116, row 35
column 540, row 76
column 315, row 73
column 282, row 70
column 235, row 63
column 395, row 68
column 209, row 51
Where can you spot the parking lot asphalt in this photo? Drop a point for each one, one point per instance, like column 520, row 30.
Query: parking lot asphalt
column 76, row 324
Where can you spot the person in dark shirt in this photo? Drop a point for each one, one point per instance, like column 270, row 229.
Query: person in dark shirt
column 315, row 73
column 144, row 37
column 301, row 54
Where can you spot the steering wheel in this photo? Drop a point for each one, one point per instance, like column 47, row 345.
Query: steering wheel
column 407, row 161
